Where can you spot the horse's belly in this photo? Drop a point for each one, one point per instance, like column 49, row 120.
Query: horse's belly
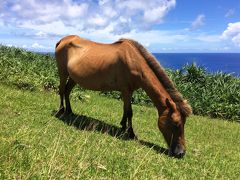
column 97, row 83
column 94, row 79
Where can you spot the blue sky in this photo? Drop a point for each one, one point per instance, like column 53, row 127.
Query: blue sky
column 160, row 25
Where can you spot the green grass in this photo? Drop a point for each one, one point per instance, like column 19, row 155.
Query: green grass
column 36, row 145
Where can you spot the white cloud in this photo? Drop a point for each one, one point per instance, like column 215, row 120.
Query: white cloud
column 38, row 12
column 230, row 13
column 37, row 46
column 54, row 27
column 156, row 37
column 232, row 33
column 236, row 39
column 44, row 23
column 155, row 15
column 208, row 38
column 85, row 15
column 97, row 20
column 153, row 11
column 199, row 21
column 41, row 34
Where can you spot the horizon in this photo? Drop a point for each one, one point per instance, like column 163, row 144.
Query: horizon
column 162, row 26
column 50, row 52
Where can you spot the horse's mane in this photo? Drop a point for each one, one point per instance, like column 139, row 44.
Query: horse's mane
column 162, row 76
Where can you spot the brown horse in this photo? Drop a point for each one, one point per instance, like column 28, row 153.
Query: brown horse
column 122, row 66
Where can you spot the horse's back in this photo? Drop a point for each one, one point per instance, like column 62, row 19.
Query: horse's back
column 94, row 65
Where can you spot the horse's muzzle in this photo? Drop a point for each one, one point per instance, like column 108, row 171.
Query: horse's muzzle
column 178, row 151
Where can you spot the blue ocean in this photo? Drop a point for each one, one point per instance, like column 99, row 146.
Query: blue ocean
column 213, row 62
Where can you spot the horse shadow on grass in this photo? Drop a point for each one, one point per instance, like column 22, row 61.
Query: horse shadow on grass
column 86, row 123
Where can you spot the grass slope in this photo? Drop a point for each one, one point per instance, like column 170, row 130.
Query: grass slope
column 35, row 144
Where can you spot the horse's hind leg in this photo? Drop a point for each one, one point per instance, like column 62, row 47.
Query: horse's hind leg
column 127, row 114
column 68, row 89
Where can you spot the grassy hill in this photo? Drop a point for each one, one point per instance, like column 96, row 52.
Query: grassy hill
column 35, row 144
column 87, row 145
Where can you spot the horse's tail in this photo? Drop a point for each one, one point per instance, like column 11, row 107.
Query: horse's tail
column 162, row 76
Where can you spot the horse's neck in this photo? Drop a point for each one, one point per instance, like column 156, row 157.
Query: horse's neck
column 155, row 90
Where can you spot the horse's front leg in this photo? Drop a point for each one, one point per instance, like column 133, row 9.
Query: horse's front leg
column 124, row 121
column 127, row 114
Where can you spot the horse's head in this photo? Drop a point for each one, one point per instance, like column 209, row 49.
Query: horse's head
column 171, row 124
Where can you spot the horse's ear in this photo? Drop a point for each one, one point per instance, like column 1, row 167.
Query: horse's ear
column 170, row 105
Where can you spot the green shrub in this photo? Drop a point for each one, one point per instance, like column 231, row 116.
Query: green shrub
column 19, row 66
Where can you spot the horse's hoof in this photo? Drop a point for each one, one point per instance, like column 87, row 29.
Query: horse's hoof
column 131, row 134
column 135, row 138
column 132, row 137
column 67, row 113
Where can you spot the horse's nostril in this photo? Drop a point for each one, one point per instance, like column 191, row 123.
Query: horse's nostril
column 180, row 155
column 179, row 151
